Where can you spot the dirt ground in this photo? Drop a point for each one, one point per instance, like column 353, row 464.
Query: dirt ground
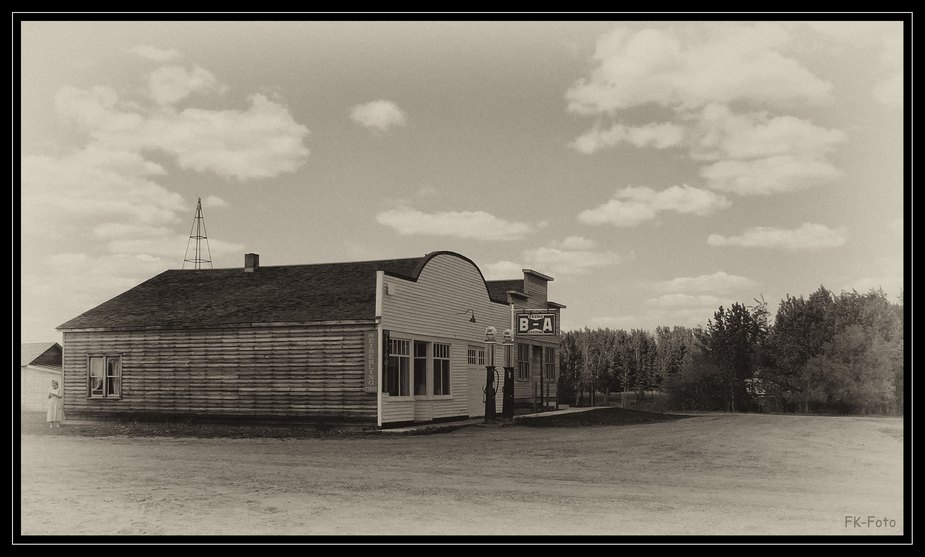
column 608, row 472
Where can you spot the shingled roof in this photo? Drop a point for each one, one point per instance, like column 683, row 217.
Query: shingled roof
column 273, row 294
column 498, row 289
column 40, row 353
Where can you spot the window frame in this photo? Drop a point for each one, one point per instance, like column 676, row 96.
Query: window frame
column 400, row 375
column 110, row 377
column 421, row 365
column 523, row 365
column 441, row 358
column 549, row 363
column 475, row 355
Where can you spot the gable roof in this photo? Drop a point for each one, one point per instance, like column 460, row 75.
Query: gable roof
column 40, row 353
column 273, row 294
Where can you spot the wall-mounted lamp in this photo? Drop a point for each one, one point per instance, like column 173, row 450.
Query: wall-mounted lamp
column 471, row 319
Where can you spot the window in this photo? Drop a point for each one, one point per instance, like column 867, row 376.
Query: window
column 441, row 369
column 420, row 368
column 476, row 356
column 523, row 362
column 549, row 361
column 105, row 377
column 399, row 367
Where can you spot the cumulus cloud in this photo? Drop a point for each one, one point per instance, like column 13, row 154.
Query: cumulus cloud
column 574, row 243
column 699, row 73
column 565, row 262
column 632, row 206
column 768, row 175
column 169, row 84
column 807, row 237
column 260, row 142
column 502, row 270
column 758, row 154
column 379, row 115
column 721, row 134
column 476, row 225
column 685, row 300
column 573, row 256
column 102, row 205
column 214, row 201
column 657, row 135
column 715, row 63
column 717, row 282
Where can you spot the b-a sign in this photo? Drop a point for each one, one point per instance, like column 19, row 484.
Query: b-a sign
column 535, row 323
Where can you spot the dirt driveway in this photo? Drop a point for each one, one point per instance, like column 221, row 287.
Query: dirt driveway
column 718, row 474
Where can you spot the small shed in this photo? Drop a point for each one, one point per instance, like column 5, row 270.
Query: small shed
column 40, row 364
column 379, row 343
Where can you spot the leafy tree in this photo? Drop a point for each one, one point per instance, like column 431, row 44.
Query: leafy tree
column 732, row 342
column 801, row 328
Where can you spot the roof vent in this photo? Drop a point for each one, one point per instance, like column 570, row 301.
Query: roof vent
column 251, row 262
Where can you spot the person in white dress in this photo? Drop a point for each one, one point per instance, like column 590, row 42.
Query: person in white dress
column 55, row 406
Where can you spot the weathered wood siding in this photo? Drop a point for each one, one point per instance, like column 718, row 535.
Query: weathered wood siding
column 261, row 372
column 433, row 309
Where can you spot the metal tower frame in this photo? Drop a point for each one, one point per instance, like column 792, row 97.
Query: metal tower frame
column 199, row 225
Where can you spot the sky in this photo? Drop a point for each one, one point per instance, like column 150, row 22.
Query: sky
column 657, row 170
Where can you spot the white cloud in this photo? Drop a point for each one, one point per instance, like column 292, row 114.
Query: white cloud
column 758, row 154
column 380, row 115
column 502, row 270
column 260, row 142
column 769, row 175
column 574, row 243
column 698, row 73
column 887, row 274
column 722, row 134
column 169, row 84
column 570, row 257
column 713, row 63
column 717, row 282
column 685, row 300
column 155, row 54
column 214, row 201
column 561, row 262
column 632, row 206
column 477, row 225
column 657, row 135
column 807, row 237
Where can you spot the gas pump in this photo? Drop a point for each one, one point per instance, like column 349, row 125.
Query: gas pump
column 507, row 400
column 490, row 343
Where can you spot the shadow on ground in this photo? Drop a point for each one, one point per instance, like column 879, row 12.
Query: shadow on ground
column 609, row 415
column 34, row 424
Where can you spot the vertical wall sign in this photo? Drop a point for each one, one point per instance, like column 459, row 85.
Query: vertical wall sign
column 372, row 361
column 385, row 361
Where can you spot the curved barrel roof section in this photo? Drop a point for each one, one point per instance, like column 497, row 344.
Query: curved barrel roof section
column 273, row 294
column 430, row 256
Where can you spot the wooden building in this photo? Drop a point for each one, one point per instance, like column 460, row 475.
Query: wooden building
column 378, row 343
column 40, row 364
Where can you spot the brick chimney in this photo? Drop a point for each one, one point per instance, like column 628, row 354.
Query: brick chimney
column 251, row 262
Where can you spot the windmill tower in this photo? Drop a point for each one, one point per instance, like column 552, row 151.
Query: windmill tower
column 198, row 232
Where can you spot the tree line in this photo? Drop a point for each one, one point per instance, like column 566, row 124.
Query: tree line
column 823, row 354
